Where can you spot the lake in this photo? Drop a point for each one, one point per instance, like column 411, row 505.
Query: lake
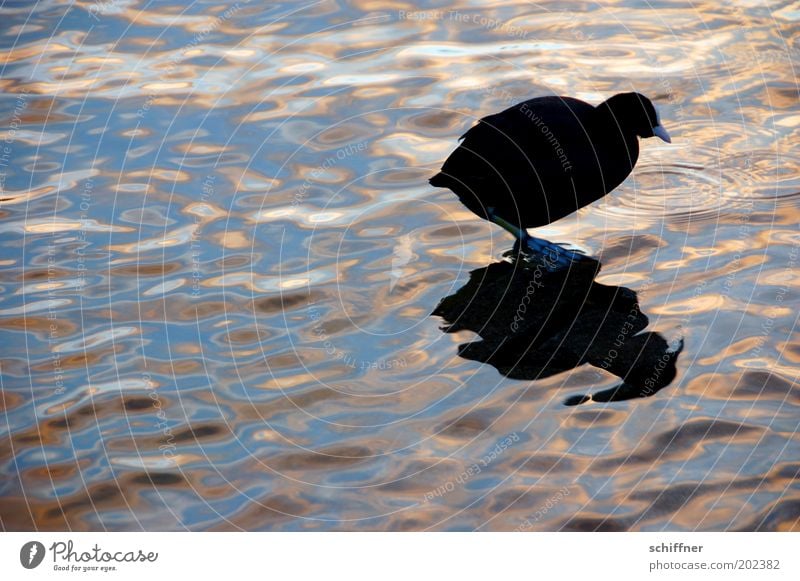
column 222, row 263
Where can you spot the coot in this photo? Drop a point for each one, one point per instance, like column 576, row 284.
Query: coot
column 542, row 159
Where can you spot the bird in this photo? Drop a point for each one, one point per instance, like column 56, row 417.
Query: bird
column 543, row 159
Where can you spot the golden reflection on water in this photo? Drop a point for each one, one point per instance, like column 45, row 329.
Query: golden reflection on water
column 222, row 256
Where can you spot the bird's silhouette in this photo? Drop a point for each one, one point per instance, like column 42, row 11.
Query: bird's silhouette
column 535, row 322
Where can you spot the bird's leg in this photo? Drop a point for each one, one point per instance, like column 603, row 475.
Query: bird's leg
column 519, row 233
column 555, row 256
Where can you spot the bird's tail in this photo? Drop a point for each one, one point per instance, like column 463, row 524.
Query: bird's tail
column 439, row 181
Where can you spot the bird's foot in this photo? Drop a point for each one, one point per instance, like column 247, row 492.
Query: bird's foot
column 553, row 256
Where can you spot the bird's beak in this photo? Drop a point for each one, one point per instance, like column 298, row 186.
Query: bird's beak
column 659, row 131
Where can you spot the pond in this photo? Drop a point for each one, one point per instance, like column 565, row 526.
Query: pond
column 229, row 290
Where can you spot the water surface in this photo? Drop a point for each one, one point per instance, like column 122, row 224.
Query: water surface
column 221, row 259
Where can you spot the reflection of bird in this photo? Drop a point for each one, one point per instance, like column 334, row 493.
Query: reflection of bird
column 545, row 158
column 535, row 322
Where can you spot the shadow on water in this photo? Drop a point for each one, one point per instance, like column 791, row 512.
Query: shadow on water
column 535, row 323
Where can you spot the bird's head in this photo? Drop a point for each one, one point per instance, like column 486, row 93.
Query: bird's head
column 634, row 112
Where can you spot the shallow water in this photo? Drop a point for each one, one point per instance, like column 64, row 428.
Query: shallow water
column 221, row 258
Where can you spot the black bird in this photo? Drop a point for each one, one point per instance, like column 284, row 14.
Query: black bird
column 545, row 158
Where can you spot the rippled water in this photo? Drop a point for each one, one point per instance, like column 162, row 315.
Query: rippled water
column 222, row 256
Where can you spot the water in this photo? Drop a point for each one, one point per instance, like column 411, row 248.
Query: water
column 222, row 256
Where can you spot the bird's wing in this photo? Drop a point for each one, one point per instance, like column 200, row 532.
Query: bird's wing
column 543, row 133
